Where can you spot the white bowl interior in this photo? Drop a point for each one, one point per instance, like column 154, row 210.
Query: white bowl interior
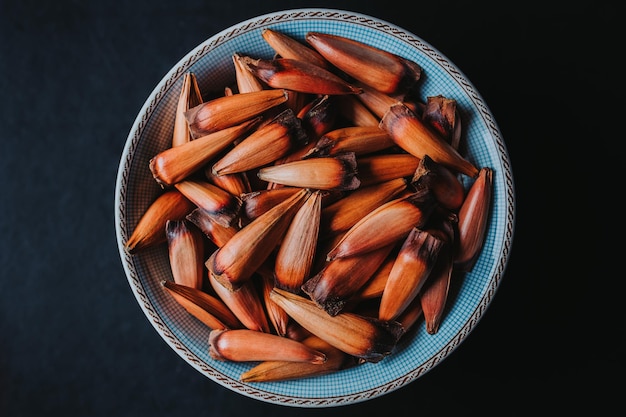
column 416, row 354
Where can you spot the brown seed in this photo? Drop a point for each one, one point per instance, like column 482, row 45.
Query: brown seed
column 269, row 142
column 296, row 101
column 236, row 261
column 445, row 185
column 375, row 286
column 220, row 204
column 244, row 345
column 373, row 66
column 342, row 278
column 176, row 164
column 387, row 224
column 414, row 136
column 222, row 112
column 378, row 168
column 411, row 315
column 277, row 316
column 284, row 370
column 361, row 140
column 319, row 116
column 333, row 173
column 353, row 110
column 441, row 114
column 236, row 184
column 246, row 81
column 411, row 269
column 189, row 97
column 295, row 256
column 346, row 212
column 300, row 76
column 185, row 245
column 208, row 309
column 258, row 202
column 366, row 338
column 473, row 218
column 150, row 230
column 288, row 47
column 434, row 295
column 245, row 303
column 375, row 101
column 295, row 331
column 216, row 232
column 296, row 155
column 325, row 244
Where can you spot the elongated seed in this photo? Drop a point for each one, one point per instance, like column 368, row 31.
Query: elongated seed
column 208, row 309
column 271, row 141
column 385, row 225
column 373, row 66
column 346, row 212
column 246, row 81
column 361, row 140
column 288, row 47
column 220, row 204
column 473, row 218
column 246, row 304
column 342, row 278
column 257, row 240
column 366, row 338
column 414, row 136
column 222, row 112
column 333, row 173
column 410, row 271
column 186, row 252
column 295, row 256
column 301, row 76
column 189, row 96
column 443, row 183
column 243, row 345
column 150, row 229
column 288, row 370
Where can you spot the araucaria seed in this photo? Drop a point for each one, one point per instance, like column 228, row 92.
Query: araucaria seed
column 366, row 338
column 444, row 184
column 473, row 218
column 342, row 278
column 230, row 110
column 282, row 370
column 410, row 271
column 414, row 136
column 380, row 69
column 385, row 225
column 150, row 230
column 208, row 309
column 242, row 345
column 333, row 173
column 268, row 143
column 236, row 261
column 186, row 252
column 300, row 76
column 296, row 253
column 190, row 96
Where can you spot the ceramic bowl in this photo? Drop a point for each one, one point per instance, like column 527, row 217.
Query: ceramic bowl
column 415, row 355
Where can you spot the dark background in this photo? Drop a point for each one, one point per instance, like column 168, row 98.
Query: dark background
column 74, row 75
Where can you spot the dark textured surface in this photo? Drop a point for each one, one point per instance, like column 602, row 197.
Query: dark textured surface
column 73, row 340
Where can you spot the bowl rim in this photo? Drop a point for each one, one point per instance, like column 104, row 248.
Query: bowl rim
column 150, row 105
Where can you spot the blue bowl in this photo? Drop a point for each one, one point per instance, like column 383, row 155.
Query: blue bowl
column 211, row 61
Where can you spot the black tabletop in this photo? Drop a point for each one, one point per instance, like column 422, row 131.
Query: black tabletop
column 73, row 77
